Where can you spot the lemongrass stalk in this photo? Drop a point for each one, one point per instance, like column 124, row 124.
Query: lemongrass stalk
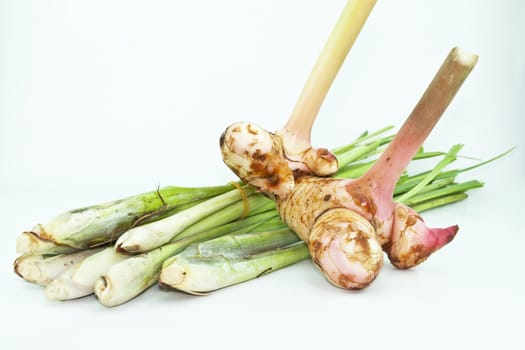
column 125, row 280
column 42, row 269
column 203, row 274
column 242, row 245
column 29, row 242
column 103, row 223
column 155, row 234
column 256, row 203
column 79, row 280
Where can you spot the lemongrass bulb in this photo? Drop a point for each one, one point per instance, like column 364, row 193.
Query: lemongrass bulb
column 43, row 269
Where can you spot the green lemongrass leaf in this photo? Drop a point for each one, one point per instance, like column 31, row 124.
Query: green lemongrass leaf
column 364, row 134
column 434, row 185
column 439, row 202
column 449, row 158
column 356, row 153
column 414, row 179
column 425, row 155
column 364, row 137
column 353, row 171
column 364, row 151
column 490, row 160
column 441, row 192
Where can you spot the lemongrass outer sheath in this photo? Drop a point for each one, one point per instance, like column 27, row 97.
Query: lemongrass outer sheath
column 231, row 259
column 79, row 280
column 30, row 242
column 43, row 269
column 103, row 223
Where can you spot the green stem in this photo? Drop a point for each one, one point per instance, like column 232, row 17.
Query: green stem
column 354, row 171
column 153, row 235
column 364, row 137
column 257, row 204
column 434, row 185
column 414, row 179
column 449, row 158
column 356, row 153
column 455, row 188
column 438, row 202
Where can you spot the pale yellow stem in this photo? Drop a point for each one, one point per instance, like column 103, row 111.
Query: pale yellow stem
column 343, row 36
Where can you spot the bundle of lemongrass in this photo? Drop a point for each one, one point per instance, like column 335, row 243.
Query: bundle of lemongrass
column 197, row 239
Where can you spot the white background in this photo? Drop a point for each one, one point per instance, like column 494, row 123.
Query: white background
column 103, row 99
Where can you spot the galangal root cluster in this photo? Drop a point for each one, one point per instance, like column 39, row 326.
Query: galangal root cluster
column 347, row 224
